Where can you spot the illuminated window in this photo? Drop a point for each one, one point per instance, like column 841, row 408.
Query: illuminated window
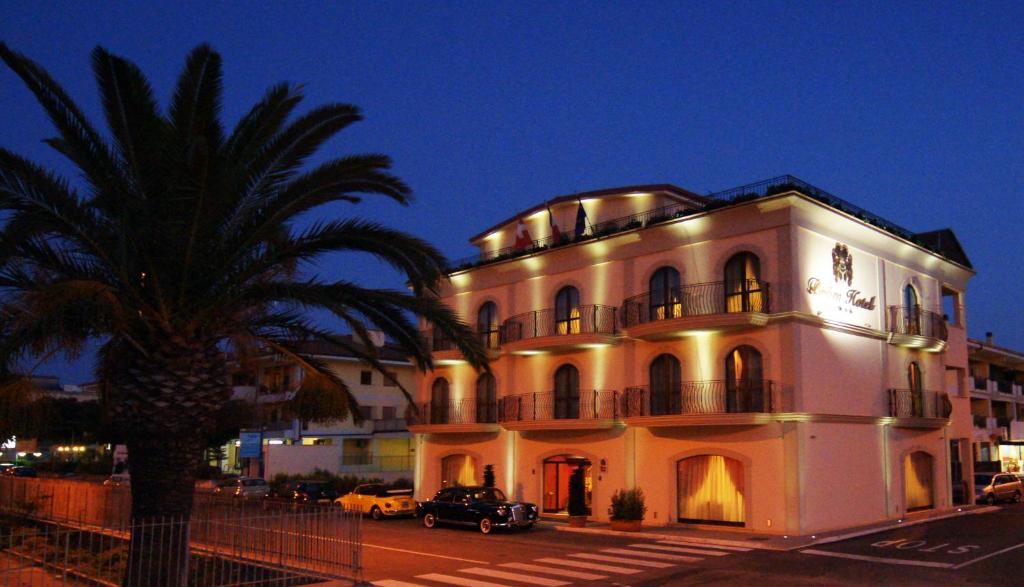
column 911, row 311
column 664, row 294
column 710, row 490
column 439, row 401
column 557, row 471
column 487, row 325
column 567, row 393
column 486, row 399
column 666, row 385
column 567, row 311
column 917, row 481
column 458, row 470
column 743, row 288
column 744, row 386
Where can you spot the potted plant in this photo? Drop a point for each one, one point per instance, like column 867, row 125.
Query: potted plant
column 628, row 509
column 578, row 510
column 488, row 475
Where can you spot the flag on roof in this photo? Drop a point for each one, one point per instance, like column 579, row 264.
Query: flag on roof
column 556, row 235
column 523, row 239
column 581, row 220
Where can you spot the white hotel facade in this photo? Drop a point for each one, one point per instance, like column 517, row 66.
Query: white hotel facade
column 771, row 358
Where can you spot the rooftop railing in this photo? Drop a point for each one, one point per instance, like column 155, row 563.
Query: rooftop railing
column 590, row 319
column 909, row 403
column 914, row 321
column 700, row 299
column 701, row 397
column 549, row 405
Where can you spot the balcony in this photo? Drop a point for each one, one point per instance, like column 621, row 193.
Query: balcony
column 701, row 306
column 978, row 384
column 919, row 409
column 1002, row 386
column 585, row 327
column 912, row 327
column 701, row 403
column 587, row 409
column 389, row 425
column 466, row 415
column 445, row 352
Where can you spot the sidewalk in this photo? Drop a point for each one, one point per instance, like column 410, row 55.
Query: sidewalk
column 741, row 539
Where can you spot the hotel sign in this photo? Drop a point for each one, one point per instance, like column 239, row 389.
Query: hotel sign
column 841, row 292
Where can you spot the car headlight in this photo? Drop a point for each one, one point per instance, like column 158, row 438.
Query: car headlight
column 502, row 511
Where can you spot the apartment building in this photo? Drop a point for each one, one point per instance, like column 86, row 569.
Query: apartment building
column 771, row 358
column 380, row 447
column 996, row 384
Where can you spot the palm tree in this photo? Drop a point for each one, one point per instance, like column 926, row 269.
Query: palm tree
column 180, row 243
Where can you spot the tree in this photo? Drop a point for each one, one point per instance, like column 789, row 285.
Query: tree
column 181, row 242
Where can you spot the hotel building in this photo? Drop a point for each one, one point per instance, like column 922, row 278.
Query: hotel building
column 770, row 358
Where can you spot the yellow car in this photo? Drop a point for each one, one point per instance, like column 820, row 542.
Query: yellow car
column 379, row 501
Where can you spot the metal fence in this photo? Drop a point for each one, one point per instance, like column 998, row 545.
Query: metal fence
column 464, row 411
column 584, row 404
column 915, row 321
column 588, row 319
column 910, row 403
column 701, row 397
column 57, row 532
column 699, row 299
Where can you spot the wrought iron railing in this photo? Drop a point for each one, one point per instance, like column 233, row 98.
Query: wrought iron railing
column 437, row 341
column 587, row 404
column 465, row 411
column 591, row 319
column 910, row 403
column 701, row 397
column 915, row 321
column 699, row 299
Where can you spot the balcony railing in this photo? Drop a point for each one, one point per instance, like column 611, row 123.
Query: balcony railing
column 700, row 299
column 909, row 403
column 437, row 341
column 466, row 411
column 914, row 321
column 548, row 405
column 701, row 397
column 979, row 421
column 1003, row 386
column 591, row 319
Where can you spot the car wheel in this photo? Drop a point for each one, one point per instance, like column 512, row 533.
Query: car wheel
column 485, row 526
column 1016, row 497
column 376, row 514
column 429, row 520
column 991, row 499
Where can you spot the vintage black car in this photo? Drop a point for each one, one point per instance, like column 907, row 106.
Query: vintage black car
column 483, row 507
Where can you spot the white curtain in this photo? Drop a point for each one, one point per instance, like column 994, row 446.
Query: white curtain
column 917, row 475
column 711, row 488
column 458, row 470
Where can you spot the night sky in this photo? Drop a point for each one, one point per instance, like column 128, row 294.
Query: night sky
column 914, row 111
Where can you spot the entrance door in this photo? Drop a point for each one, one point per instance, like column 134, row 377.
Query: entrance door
column 556, row 482
column 917, row 481
column 710, row 490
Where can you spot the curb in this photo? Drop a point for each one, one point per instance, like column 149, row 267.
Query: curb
column 794, row 543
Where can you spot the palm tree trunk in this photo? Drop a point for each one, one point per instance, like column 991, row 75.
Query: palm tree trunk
column 165, row 405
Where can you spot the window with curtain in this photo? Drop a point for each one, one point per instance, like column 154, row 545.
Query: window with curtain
column 710, row 490
column 439, row 401
column 486, row 399
column 917, row 479
column 487, row 325
column 567, row 393
column 743, row 292
column 666, row 385
column 567, row 311
column 664, row 294
column 458, row 471
column 744, row 384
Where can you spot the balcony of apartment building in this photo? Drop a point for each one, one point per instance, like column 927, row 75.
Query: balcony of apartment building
column 445, row 352
column 562, row 328
column 911, row 326
column 715, row 306
column 562, row 409
column 443, row 416
column 722, row 402
column 917, row 408
column 989, row 429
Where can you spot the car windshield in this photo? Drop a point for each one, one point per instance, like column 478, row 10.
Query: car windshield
column 983, row 478
column 488, row 494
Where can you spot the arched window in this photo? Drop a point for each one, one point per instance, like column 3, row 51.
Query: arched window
column 743, row 288
column 487, row 325
column 458, row 470
column 666, row 385
column 557, row 470
column 911, row 310
column 567, row 311
column 916, row 387
column 439, row 401
column 744, row 383
column 710, row 490
column 664, row 294
column 567, row 393
column 486, row 399
column 917, row 481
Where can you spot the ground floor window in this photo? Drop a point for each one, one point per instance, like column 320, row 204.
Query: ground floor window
column 556, row 481
column 710, row 490
column 458, row 470
column 917, row 481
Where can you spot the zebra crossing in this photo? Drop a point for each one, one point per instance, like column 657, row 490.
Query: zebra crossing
column 575, row 567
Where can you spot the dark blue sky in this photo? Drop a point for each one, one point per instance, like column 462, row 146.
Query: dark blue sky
column 914, row 111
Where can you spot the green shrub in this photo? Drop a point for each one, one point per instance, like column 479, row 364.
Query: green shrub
column 488, row 475
column 628, row 504
column 578, row 493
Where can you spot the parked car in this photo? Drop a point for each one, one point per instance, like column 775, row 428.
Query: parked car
column 483, row 507
column 992, row 487
column 305, row 492
column 379, row 501
column 20, row 472
column 244, row 487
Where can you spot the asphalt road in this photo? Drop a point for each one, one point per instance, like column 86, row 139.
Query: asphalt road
column 979, row 549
